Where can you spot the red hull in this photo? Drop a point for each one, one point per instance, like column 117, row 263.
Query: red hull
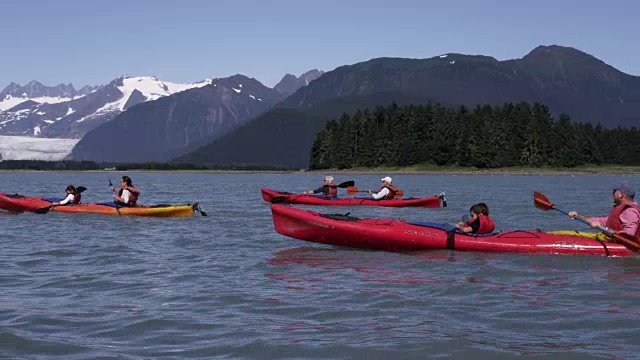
column 19, row 203
column 398, row 235
column 301, row 199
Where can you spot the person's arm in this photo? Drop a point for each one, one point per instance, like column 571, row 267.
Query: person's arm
column 316, row 191
column 67, row 199
column 594, row 220
column 597, row 220
column 473, row 228
column 381, row 194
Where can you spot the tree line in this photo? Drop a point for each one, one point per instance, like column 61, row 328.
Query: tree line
column 521, row 134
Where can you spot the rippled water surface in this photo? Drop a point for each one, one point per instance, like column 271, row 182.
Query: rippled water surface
column 85, row 286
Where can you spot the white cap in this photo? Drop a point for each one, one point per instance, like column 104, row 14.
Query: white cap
column 328, row 178
column 387, row 179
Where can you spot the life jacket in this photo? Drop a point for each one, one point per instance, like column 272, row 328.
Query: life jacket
column 332, row 190
column 486, row 224
column 133, row 198
column 613, row 220
column 76, row 198
column 392, row 192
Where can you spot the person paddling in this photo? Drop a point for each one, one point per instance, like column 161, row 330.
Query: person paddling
column 480, row 222
column 387, row 191
column 624, row 217
column 73, row 196
column 328, row 189
column 127, row 194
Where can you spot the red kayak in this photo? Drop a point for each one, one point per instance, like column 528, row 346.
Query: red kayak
column 398, row 235
column 20, row 203
column 277, row 197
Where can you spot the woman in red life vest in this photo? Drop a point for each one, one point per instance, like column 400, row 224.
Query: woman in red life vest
column 328, row 189
column 386, row 192
column 128, row 194
column 480, row 222
column 73, row 196
column 624, row 217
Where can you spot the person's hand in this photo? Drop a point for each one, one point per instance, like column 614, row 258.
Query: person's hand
column 114, row 196
column 572, row 214
column 459, row 225
column 113, row 189
column 594, row 225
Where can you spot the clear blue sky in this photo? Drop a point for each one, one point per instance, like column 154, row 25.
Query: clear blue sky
column 93, row 42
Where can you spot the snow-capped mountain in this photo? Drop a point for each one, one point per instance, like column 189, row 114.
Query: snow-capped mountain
column 14, row 94
column 72, row 118
column 173, row 125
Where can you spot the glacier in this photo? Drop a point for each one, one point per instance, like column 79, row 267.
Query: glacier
column 30, row 148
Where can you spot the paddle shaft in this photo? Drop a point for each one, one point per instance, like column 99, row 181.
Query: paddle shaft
column 606, row 231
column 117, row 209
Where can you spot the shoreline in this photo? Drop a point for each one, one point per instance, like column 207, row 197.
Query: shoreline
column 413, row 170
column 596, row 170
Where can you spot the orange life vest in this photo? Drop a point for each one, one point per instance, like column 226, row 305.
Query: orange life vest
column 486, row 224
column 613, row 220
column 332, row 190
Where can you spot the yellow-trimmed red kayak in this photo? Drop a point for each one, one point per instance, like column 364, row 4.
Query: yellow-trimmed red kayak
column 20, row 203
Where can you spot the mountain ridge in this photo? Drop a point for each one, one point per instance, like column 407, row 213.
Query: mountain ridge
column 163, row 129
column 565, row 79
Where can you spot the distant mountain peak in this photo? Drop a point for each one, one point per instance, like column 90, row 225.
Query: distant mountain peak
column 15, row 94
column 291, row 83
column 555, row 49
column 569, row 67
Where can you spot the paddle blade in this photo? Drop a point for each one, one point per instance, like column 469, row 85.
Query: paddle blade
column 198, row 208
column 347, row 184
column 43, row 210
column 81, row 189
column 352, row 190
column 278, row 199
column 443, row 198
column 542, row 202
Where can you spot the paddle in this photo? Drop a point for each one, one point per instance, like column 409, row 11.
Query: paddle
column 354, row 190
column 110, row 188
column 346, row 184
column 541, row 202
column 44, row 210
column 196, row 207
